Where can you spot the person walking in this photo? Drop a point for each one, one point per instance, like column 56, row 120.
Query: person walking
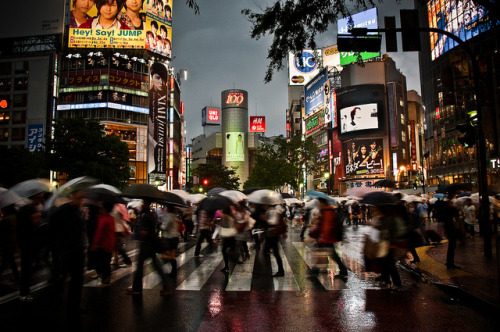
column 205, row 221
column 149, row 244
column 469, row 213
column 326, row 235
column 104, row 243
column 227, row 231
column 68, row 242
column 276, row 228
column 122, row 231
column 448, row 214
column 169, row 226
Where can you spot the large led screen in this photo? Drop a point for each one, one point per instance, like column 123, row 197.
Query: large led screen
column 366, row 19
column 127, row 24
column 358, row 117
column 461, row 17
column 364, row 157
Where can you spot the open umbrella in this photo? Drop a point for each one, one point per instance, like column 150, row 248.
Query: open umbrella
column 60, row 196
column 215, row 191
column 385, row 183
column 360, row 191
column 412, row 198
column 319, row 194
column 286, row 195
column 293, row 200
column 8, row 197
column 213, row 203
column 234, row 195
column 108, row 187
column 171, row 198
column 248, row 191
column 452, row 189
column 32, row 187
column 265, row 196
column 439, row 195
column 196, row 198
column 143, row 191
column 182, row 193
column 378, row 198
column 101, row 194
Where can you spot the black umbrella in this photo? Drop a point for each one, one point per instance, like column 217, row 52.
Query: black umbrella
column 286, row 195
column 215, row 191
column 452, row 189
column 248, row 191
column 378, row 198
column 143, row 191
column 213, row 203
column 103, row 195
column 171, row 198
column 385, row 183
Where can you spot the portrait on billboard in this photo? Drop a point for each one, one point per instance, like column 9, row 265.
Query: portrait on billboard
column 359, row 117
column 364, row 157
column 107, row 16
column 157, row 136
column 158, row 38
column 235, row 146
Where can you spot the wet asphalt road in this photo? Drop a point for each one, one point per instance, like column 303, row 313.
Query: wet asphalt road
column 248, row 299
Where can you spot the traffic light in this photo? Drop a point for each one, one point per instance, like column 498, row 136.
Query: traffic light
column 469, row 138
column 205, row 182
column 410, row 36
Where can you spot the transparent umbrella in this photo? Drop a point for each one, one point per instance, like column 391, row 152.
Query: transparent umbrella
column 32, row 187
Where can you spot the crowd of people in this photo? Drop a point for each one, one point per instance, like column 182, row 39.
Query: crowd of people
column 85, row 234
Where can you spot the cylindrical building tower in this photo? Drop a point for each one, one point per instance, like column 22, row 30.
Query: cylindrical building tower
column 235, row 132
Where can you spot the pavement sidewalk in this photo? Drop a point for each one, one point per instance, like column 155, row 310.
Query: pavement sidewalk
column 476, row 280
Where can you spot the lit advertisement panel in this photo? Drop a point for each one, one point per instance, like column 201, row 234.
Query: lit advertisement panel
column 358, row 117
column 31, row 18
column 316, row 91
column 123, row 24
column 258, row 124
column 461, row 17
column 364, row 157
column 366, row 19
column 303, row 67
column 235, row 146
column 210, row 115
column 331, row 57
column 34, row 141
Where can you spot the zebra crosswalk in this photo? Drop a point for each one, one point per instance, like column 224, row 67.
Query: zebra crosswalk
column 203, row 274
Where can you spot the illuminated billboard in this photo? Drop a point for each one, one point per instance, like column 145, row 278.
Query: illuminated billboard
column 303, row 67
column 257, row 124
column 366, row 19
column 317, row 93
column 235, row 146
column 331, row 57
column 461, row 17
column 358, row 117
column 127, row 24
column 364, row 157
column 210, row 115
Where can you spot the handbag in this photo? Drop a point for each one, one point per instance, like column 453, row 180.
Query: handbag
column 373, row 250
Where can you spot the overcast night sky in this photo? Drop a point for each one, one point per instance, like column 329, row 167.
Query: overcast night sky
column 216, row 49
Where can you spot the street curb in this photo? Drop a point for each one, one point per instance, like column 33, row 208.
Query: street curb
column 468, row 299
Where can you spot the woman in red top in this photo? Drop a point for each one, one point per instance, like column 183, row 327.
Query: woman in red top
column 103, row 243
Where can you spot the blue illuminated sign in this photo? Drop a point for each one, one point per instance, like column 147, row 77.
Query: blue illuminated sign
column 306, row 63
column 103, row 105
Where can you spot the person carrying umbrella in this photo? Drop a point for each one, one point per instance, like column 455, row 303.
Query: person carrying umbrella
column 149, row 244
column 327, row 234
column 170, row 232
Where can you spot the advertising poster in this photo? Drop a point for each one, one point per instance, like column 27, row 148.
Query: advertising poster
column 364, row 157
column 302, row 67
column 210, row 115
column 157, row 121
column 358, row 117
column 258, row 124
column 235, row 146
column 130, row 24
column 34, row 140
column 316, row 92
column 365, row 19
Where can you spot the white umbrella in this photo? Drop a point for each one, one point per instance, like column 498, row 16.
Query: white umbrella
column 412, row 198
column 265, row 196
column 32, row 187
column 196, row 198
column 476, row 199
column 182, row 193
column 361, row 191
column 290, row 201
column 61, row 195
column 8, row 197
column 313, row 203
column 234, row 195
column 107, row 187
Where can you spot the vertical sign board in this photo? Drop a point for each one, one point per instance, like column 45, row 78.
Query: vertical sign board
column 333, row 108
column 413, row 141
column 34, row 141
column 316, row 91
column 395, row 164
column 257, row 124
column 391, row 101
column 157, row 119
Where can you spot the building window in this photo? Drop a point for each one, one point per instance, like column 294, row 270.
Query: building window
column 5, row 68
column 21, row 67
column 401, row 102
column 4, row 117
column 4, row 134
column 18, row 134
column 403, row 151
column 21, row 83
column 402, row 119
column 403, row 136
column 20, row 100
column 5, row 84
column 19, row 117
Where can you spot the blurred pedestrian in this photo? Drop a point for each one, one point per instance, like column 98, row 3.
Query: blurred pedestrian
column 227, row 231
column 469, row 214
column 104, row 243
column 122, row 231
column 8, row 242
column 170, row 225
column 149, row 244
column 446, row 213
column 205, row 220
column 68, row 242
column 276, row 229
column 244, row 223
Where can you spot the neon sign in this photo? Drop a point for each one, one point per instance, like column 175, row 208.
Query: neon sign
column 235, row 98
